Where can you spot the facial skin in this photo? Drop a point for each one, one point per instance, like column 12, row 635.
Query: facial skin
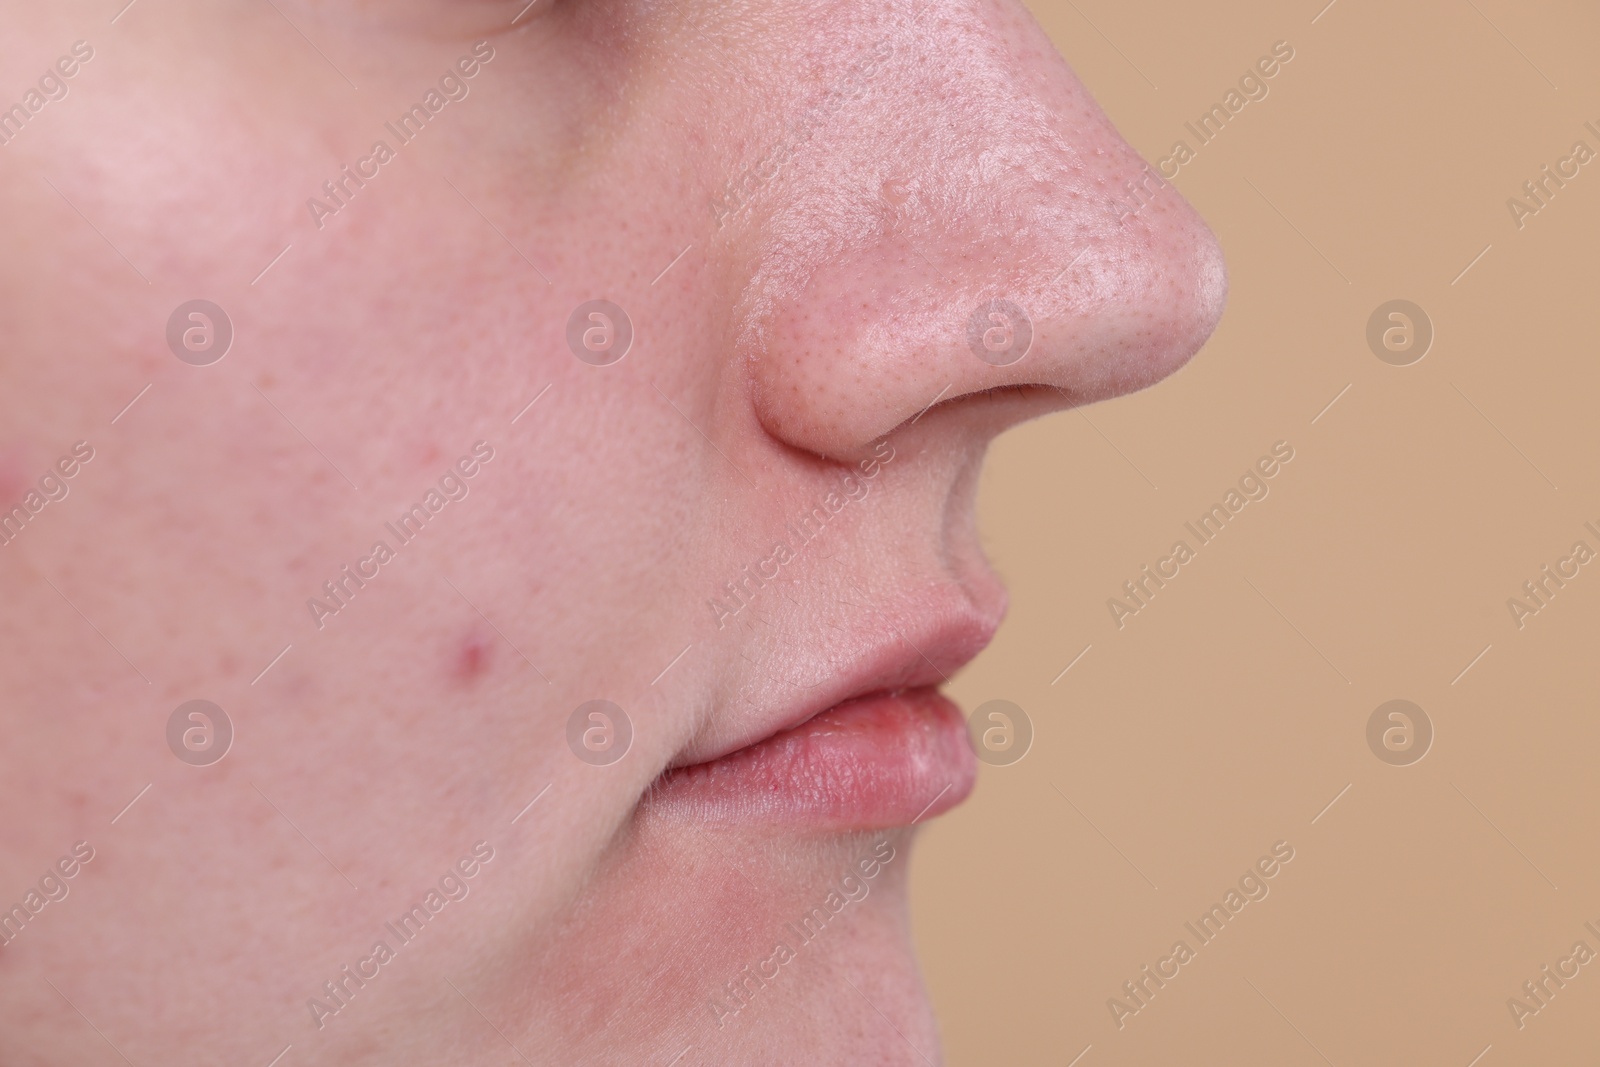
column 777, row 345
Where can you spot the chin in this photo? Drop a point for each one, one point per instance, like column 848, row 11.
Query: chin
column 725, row 946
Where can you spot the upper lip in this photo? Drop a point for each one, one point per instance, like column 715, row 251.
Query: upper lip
column 896, row 644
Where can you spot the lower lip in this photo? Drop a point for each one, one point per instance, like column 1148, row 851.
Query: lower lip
column 881, row 761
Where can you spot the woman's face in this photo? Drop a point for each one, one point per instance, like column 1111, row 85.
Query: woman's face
column 851, row 243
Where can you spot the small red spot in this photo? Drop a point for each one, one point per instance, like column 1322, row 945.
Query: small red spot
column 472, row 660
column 15, row 480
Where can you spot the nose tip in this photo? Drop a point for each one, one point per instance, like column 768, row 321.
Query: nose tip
column 1010, row 238
column 883, row 330
column 1140, row 304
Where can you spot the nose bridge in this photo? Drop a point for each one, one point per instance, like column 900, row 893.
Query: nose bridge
column 973, row 221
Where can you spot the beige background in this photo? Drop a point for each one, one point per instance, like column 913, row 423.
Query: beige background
column 1231, row 711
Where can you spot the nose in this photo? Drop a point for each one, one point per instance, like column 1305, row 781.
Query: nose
column 970, row 223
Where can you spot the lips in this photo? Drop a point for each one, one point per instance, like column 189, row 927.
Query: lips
column 870, row 763
column 875, row 746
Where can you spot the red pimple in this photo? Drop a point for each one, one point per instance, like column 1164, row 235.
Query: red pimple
column 472, row 659
column 15, row 481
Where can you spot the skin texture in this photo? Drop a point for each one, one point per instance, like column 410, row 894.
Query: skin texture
column 899, row 163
